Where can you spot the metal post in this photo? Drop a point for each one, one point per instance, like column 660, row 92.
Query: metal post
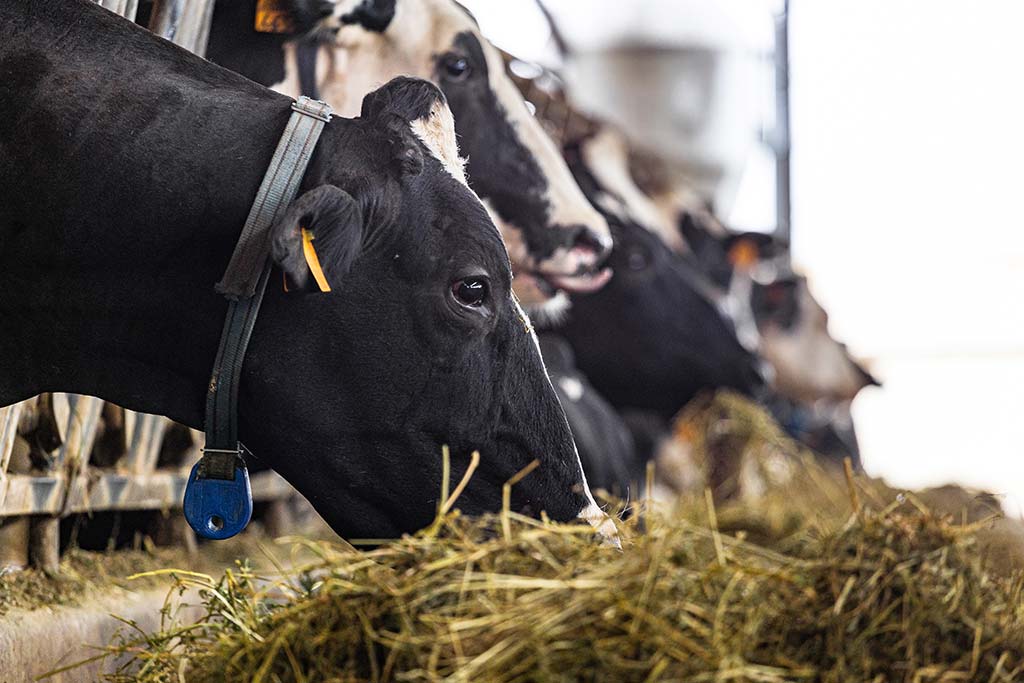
column 13, row 543
column 183, row 22
column 166, row 18
column 126, row 8
column 203, row 34
column 44, row 543
column 780, row 141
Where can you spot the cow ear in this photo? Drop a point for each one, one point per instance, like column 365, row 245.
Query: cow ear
column 317, row 239
column 305, row 15
column 373, row 15
column 404, row 147
column 746, row 248
column 406, row 151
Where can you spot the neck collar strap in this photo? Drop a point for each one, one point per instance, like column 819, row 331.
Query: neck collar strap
column 218, row 499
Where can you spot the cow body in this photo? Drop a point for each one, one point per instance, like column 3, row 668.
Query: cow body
column 603, row 439
column 128, row 167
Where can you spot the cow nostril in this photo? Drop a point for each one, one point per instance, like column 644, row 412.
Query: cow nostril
column 588, row 240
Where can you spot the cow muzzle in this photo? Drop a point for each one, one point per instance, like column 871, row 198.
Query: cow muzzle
column 602, row 523
column 575, row 267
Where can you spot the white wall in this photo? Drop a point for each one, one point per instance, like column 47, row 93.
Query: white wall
column 908, row 141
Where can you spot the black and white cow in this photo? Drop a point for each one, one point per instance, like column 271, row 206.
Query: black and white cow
column 719, row 264
column 772, row 306
column 128, row 167
column 652, row 338
column 555, row 238
column 814, row 376
column 656, row 334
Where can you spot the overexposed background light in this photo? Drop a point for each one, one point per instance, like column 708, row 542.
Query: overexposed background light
column 908, row 143
column 908, row 147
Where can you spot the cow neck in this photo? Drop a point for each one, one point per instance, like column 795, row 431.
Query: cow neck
column 244, row 283
column 125, row 183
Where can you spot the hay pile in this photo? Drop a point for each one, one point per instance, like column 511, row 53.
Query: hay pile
column 82, row 574
column 888, row 594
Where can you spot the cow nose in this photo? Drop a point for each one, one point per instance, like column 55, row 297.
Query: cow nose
column 602, row 523
column 589, row 240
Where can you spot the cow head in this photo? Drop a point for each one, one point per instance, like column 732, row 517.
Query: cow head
column 655, row 334
column 650, row 339
column 776, row 310
column 418, row 343
column 556, row 240
column 810, row 365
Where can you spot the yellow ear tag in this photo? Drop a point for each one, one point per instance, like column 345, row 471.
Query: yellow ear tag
column 743, row 254
column 271, row 17
column 313, row 261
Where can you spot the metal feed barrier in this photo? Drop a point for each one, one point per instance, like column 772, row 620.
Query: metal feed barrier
column 64, row 454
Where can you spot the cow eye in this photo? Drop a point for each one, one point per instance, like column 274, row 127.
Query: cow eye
column 470, row 291
column 455, row 67
column 637, row 259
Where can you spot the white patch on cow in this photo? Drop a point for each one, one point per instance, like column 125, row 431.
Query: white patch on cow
column 572, row 387
column 437, row 131
column 590, row 513
column 599, row 519
column 612, row 205
column 737, row 308
column 606, row 155
column 809, row 363
column 569, row 206
column 553, row 311
column 547, row 310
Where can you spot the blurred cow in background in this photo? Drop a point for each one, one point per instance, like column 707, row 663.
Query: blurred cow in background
column 814, row 377
column 659, row 332
column 745, row 276
column 607, row 451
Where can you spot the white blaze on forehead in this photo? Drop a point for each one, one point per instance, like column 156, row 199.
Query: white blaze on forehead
column 364, row 60
column 437, row 131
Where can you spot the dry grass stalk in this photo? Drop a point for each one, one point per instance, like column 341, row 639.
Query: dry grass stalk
column 889, row 595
